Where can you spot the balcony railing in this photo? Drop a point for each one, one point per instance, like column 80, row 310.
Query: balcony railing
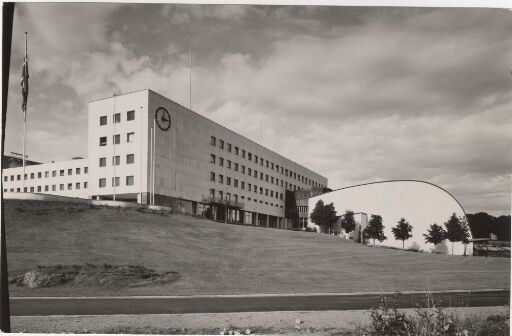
column 224, row 201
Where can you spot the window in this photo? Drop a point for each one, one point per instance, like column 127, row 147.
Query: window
column 255, row 173
column 129, row 180
column 221, row 194
column 117, row 139
column 213, row 141
column 212, row 193
column 54, row 187
column 117, row 118
column 86, row 169
column 249, row 187
column 242, row 184
column 236, row 150
column 266, row 163
column 266, row 177
column 62, row 172
column 130, row 158
column 70, row 171
column 261, row 161
column 249, row 156
column 32, row 189
column 85, row 185
column 18, row 177
column 115, row 181
column 243, row 169
column 116, row 160
column 249, row 171
column 103, row 162
column 38, row 188
column 17, row 189
column 255, row 158
column 229, row 147
column 103, row 141
column 5, row 178
column 255, row 188
column 266, row 192
column 221, row 144
column 39, row 175
column 221, row 178
column 272, row 165
column 70, row 186
column 77, row 171
column 261, row 176
column 243, row 153
column 221, row 161
column 229, row 164
column 25, row 177
column 61, row 186
column 212, row 176
column 212, row 158
column 130, row 137
column 77, row 185
column 103, row 182
column 236, row 166
column 261, row 190
column 130, row 115
column 12, row 177
column 228, row 180
column 235, row 183
column 103, row 120
column 46, row 188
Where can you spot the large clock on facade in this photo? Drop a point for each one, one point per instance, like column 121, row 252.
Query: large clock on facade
column 163, row 118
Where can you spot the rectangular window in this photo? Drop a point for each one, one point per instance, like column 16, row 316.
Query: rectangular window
column 61, row 186
column 130, row 158
column 212, row 176
column 46, row 188
column 236, row 166
column 255, row 173
column 70, row 171
column 117, row 139
column 77, row 171
column 249, row 171
column 212, row 193
column 213, row 141
column 266, row 163
column 221, row 144
column 129, row 180
column 261, row 190
column 235, row 183
column 249, row 156
column 86, row 169
column 130, row 115
column 236, row 150
column 266, row 192
column 54, row 187
column 249, row 186
column 70, row 186
column 116, row 160
column 221, row 161
column 25, row 176
column 103, row 162
column 115, row 181
column 12, row 177
column 38, row 188
column 221, row 178
column 228, row 180
column 261, row 176
column 130, row 137
column 243, row 153
column 212, row 158
column 103, row 141
column 255, row 188
column 243, row 169
column 221, row 194
column 255, row 158
column 103, row 182
column 5, row 178
column 77, row 185
column 229, row 164
column 18, row 177
column 31, row 189
column 242, row 184
column 39, row 175
column 62, row 172
column 229, row 147
column 103, row 120
column 261, row 161
column 117, row 118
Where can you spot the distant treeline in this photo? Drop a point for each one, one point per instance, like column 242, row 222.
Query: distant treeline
column 482, row 225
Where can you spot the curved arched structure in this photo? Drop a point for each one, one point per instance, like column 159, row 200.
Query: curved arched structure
column 420, row 203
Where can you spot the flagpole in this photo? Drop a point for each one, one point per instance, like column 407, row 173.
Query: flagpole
column 190, row 77
column 25, row 115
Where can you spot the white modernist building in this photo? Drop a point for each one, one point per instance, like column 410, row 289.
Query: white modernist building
column 420, row 203
column 145, row 148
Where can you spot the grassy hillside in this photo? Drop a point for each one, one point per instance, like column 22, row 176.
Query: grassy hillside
column 215, row 258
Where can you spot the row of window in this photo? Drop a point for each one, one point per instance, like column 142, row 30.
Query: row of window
column 271, row 165
column 116, row 181
column 235, row 198
column 47, row 187
column 252, row 172
column 116, row 139
column 46, row 174
column 116, row 160
column 250, row 187
column 116, row 118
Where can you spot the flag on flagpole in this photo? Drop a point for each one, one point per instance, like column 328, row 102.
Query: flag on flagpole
column 24, row 82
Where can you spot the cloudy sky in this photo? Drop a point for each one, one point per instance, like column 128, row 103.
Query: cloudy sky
column 357, row 94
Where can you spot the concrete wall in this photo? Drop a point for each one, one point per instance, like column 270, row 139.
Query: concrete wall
column 420, row 203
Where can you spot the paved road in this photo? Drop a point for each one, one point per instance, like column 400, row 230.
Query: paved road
column 224, row 304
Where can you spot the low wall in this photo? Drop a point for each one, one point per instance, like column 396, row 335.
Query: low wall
column 57, row 198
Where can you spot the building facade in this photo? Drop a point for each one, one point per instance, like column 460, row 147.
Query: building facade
column 145, row 148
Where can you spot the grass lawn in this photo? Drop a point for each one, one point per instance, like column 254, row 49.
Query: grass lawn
column 216, row 258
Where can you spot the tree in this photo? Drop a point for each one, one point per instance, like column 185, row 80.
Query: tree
column 465, row 231
column 454, row 229
column 348, row 223
column 324, row 215
column 375, row 229
column 402, row 231
column 435, row 235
